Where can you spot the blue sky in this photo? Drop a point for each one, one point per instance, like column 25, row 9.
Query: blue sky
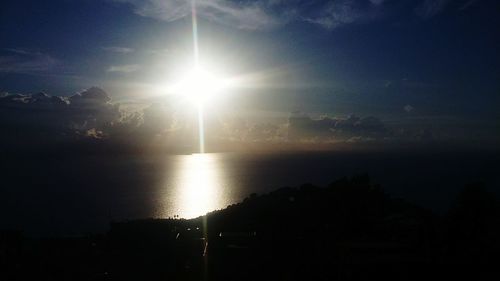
column 417, row 62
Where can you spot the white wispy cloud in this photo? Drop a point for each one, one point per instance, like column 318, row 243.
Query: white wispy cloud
column 408, row 108
column 117, row 49
column 269, row 14
column 342, row 12
column 338, row 13
column 377, row 2
column 26, row 61
column 430, row 8
column 128, row 68
column 252, row 16
column 260, row 14
column 468, row 4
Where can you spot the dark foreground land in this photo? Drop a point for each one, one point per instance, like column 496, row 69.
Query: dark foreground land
column 349, row 230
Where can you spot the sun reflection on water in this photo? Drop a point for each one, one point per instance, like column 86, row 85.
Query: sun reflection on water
column 199, row 186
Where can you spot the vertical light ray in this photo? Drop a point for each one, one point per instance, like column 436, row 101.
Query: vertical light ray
column 195, row 33
column 201, row 129
column 201, row 132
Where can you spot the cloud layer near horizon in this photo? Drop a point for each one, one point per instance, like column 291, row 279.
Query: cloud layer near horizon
column 41, row 119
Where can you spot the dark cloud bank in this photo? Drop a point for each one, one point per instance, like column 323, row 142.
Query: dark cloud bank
column 34, row 120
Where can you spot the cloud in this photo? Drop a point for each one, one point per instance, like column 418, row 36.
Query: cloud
column 26, row 61
column 263, row 132
column 41, row 117
column 128, row 68
column 261, row 14
column 377, row 2
column 157, row 118
column 303, row 127
column 93, row 95
column 430, row 8
column 408, row 108
column 29, row 119
column 337, row 13
column 468, row 4
column 366, row 127
column 38, row 119
column 269, row 14
column 116, row 49
column 244, row 15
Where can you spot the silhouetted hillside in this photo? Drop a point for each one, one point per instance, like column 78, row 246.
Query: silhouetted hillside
column 349, row 230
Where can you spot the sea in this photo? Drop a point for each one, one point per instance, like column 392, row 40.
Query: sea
column 67, row 195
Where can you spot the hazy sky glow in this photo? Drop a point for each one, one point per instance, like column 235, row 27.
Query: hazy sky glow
column 415, row 67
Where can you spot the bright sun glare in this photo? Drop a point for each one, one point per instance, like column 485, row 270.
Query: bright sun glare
column 200, row 85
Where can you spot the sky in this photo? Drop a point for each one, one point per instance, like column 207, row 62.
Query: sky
column 306, row 71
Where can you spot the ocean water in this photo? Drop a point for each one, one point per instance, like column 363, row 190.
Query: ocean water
column 71, row 195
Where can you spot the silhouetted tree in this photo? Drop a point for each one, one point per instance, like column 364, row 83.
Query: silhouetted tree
column 473, row 225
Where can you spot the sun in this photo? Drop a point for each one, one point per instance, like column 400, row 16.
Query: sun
column 199, row 85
